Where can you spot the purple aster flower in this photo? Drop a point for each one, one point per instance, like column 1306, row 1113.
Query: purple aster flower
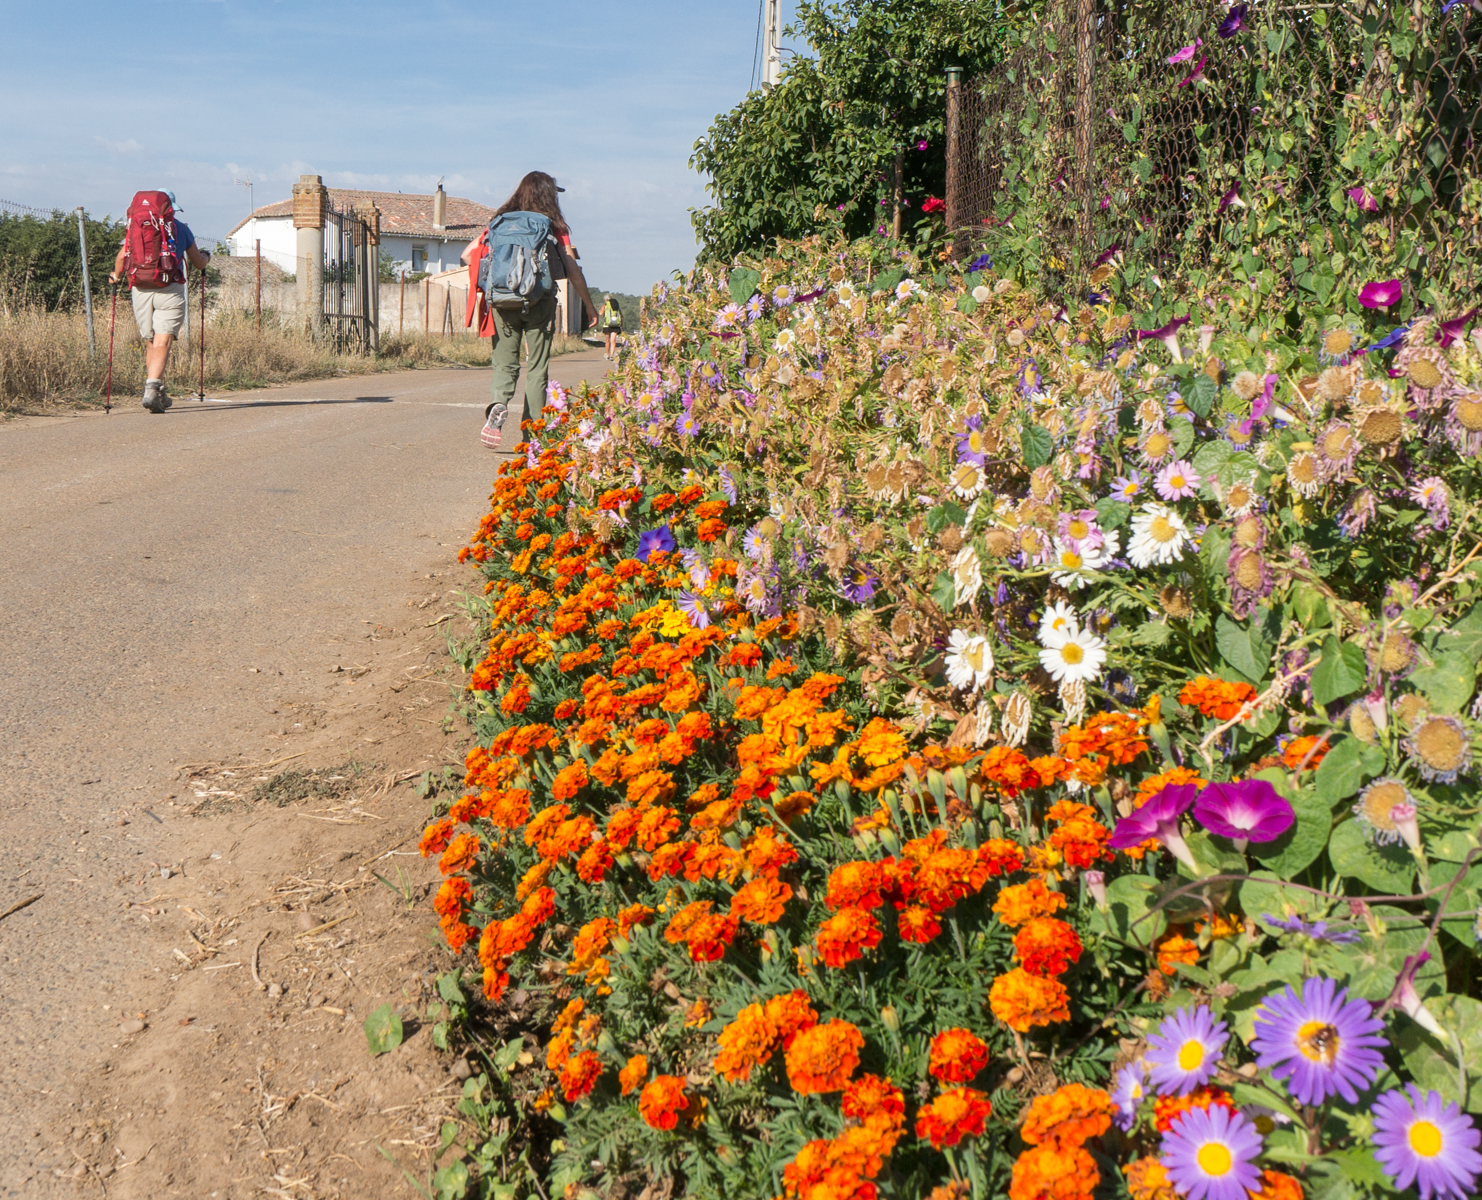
column 753, row 544
column 754, row 307
column 1158, row 818
column 1448, row 331
column 1128, row 1093
column 859, row 584
column 654, row 539
column 1317, row 930
column 1432, row 494
column 1381, row 295
column 1186, row 53
column 727, row 484
column 1177, row 481
column 982, row 263
column 1209, row 1154
column 1079, row 530
column 1249, row 811
column 1358, row 513
column 1420, row 1139
column 1322, row 1042
column 686, row 424
column 1186, row 1051
column 1234, row 21
column 970, row 447
column 1029, row 380
column 1127, row 488
column 1361, row 197
column 693, row 607
column 1168, row 335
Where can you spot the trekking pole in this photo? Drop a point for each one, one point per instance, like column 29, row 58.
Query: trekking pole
column 201, row 395
column 108, row 395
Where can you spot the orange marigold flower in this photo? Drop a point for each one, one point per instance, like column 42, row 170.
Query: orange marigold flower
column 622, row 826
column 761, row 901
column 534, row 878
column 822, row 1059
column 569, row 781
column 462, row 853
column 656, row 827
column 684, row 920
column 918, row 924
column 746, row 1043
column 767, row 853
column 580, row 1075
column 662, row 1100
column 1147, row 1179
column 1047, row 946
column 1047, row 1173
column 1021, row 1000
column 857, row 885
column 953, row 1116
column 1166, row 1108
column 1174, row 950
column 1276, row 1186
column 1217, row 698
column 539, row 905
column 957, row 1055
column 633, row 1073
column 1009, row 769
column 1069, row 1116
column 999, row 856
column 709, row 937
column 846, row 935
column 545, row 823
column 594, row 863
column 1304, row 750
column 790, row 1014
column 710, row 529
column 871, row 1096
column 1025, row 901
column 880, row 743
column 672, row 858
column 566, row 708
column 710, row 508
column 793, row 805
column 435, row 837
column 651, row 787
column 634, row 914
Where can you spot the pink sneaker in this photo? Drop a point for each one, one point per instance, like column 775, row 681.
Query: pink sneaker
column 492, row 434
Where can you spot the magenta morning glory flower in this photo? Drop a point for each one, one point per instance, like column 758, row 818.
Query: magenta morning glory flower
column 1177, row 481
column 1381, row 295
column 1234, row 21
column 1421, row 1139
column 1158, row 818
column 1229, row 198
column 1448, row 331
column 1197, row 74
column 1209, row 1154
column 1322, row 1042
column 1168, row 335
column 1249, row 811
column 1361, row 197
column 1186, row 53
column 1186, row 1051
column 659, row 539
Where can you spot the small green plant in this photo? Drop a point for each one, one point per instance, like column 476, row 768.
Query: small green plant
column 383, row 1030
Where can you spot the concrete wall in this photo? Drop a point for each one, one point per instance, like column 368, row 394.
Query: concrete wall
column 279, row 246
column 410, row 310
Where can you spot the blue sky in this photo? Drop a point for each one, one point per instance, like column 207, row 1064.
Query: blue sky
column 106, row 97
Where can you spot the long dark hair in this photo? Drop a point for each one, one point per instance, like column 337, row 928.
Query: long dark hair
column 537, row 193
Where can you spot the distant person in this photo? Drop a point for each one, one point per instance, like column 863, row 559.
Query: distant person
column 152, row 257
column 612, row 325
column 507, row 319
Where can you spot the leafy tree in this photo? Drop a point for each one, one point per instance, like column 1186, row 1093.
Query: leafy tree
column 828, row 133
column 39, row 257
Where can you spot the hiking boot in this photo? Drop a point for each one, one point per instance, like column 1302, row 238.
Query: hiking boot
column 492, row 434
column 163, row 400
column 152, row 397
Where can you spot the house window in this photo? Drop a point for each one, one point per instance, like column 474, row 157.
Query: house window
column 419, row 258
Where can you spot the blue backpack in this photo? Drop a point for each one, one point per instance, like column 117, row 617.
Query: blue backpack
column 516, row 272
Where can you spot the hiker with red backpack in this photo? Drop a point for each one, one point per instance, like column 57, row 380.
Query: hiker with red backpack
column 156, row 247
column 513, row 268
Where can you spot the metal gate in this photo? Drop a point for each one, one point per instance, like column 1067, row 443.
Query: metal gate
column 352, row 292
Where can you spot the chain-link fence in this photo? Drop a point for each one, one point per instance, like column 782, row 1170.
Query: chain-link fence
column 1199, row 134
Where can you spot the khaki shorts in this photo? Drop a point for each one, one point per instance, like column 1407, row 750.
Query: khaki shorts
column 159, row 310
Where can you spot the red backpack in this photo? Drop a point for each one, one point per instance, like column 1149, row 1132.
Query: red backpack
column 148, row 260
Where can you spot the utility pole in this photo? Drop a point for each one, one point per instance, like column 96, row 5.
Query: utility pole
column 772, row 46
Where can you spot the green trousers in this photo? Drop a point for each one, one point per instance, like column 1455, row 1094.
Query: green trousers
column 538, row 328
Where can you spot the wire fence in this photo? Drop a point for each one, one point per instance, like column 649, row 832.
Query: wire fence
column 1197, row 134
column 27, row 210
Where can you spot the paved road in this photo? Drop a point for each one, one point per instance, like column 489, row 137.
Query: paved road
column 167, row 579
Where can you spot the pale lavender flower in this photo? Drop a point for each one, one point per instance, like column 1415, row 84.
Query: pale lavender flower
column 1177, row 481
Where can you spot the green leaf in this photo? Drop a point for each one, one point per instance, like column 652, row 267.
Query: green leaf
column 451, row 1181
column 886, row 280
column 1210, row 458
column 1264, row 893
column 1038, row 445
column 383, row 1030
column 944, row 591
column 1182, row 435
column 448, row 989
column 1299, row 847
column 944, row 515
column 1348, row 764
column 1387, row 869
column 1201, row 396
column 1433, row 1061
column 1449, row 683
column 1247, row 648
column 1467, row 634
column 1129, row 897
column 744, row 283
column 1340, row 672
column 1112, row 514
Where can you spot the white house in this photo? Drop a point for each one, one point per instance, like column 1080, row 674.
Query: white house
column 419, row 233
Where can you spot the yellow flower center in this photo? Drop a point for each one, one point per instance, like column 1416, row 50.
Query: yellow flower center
column 1441, row 745
column 1162, row 529
column 1423, row 373
column 1191, row 1055
column 1379, row 800
column 1318, row 1041
column 1070, row 560
column 1339, row 341
column 1425, row 1139
column 1215, row 1159
column 1157, row 445
column 1078, row 529
column 975, row 441
column 1176, row 482
column 973, row 656
column 1239, row 496
column 1072, row 653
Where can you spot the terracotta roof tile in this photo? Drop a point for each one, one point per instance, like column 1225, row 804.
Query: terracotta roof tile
column 402, row 214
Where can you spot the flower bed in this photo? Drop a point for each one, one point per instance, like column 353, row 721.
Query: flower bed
column 929, row 740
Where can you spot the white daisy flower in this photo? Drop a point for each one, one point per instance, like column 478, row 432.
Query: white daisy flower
column 785, row 341
column 967, row 576
column 968, row 479
column 1059, row 622
column 969, row 660
column 1080, row 656
column 906, row 288
column 1159, row 535
column 1072, row 563
column 846, row 293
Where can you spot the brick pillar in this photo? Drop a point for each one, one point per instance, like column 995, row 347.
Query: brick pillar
column 310, row 202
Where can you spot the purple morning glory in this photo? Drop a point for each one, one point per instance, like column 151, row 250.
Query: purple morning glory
column 1249, row 811
column 1361, row 197
column 981, row 263
column 1186, row 53
column 1234, row 21
column 1197, row 74
column 1168, row 335
column 1381, row 294
column 1158, row 818
column 654, row 539
column 1322, row 1042
column 1229, row 198
column 1108, row 254
column 1448, row 331
column 1393, row 338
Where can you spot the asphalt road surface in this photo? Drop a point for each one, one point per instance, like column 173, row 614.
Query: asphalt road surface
column 165, row 577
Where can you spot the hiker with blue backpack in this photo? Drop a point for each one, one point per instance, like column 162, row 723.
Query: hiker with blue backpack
column 513, row 269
